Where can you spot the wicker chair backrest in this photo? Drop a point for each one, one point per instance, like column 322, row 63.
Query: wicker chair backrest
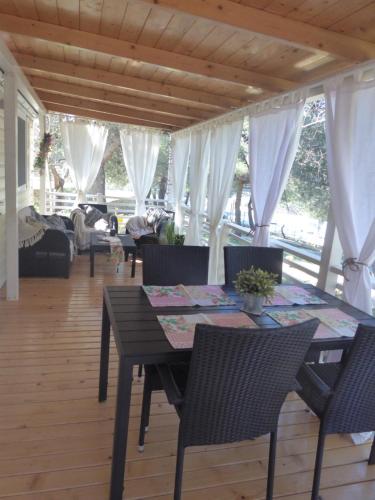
column 239, row 379
column 352, row 407
column 173, row 265
column 238, row 258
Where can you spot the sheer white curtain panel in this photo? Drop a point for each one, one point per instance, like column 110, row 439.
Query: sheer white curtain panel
column 179, row 166
column 274, row 137
column 198, row 172
column 224, row 143
column 140, row 148
column 350, row 133
column 84, row 146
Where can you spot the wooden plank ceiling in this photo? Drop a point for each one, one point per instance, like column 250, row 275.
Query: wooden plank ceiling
column 173, row 63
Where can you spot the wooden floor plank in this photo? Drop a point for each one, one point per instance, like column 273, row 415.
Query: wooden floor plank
column 56, row 439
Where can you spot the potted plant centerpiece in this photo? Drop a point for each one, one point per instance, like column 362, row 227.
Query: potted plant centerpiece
column 256, row 286
column 172, row 237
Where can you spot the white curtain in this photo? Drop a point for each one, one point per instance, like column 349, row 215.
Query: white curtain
column 84, row 146
column 274, row 137
column 140, row 147
column 224, row 143
column 179, row 165
column 198, row 172
column 350, row 133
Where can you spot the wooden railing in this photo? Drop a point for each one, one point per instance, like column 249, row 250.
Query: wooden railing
column 296, row 256
column 57, row 202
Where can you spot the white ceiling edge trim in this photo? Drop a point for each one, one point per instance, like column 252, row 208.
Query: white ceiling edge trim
column 9, row 64
column 305, row 91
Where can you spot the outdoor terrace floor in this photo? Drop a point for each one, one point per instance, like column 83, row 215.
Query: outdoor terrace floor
column 56, row 439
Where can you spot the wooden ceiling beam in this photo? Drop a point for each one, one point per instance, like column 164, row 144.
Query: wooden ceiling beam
column 112, row 79
column 266, row 23
column 158, row 57
column 157, row 119
column 120, row 99
column 94, row 115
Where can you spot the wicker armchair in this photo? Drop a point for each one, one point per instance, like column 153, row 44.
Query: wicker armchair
column 234, row 389
column 173, row 265
column 342, row 394
column 238, row 258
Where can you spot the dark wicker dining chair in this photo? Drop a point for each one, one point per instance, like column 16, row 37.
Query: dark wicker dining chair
column 342, row 395
column 234, row 389
column 165, row 265
column 172, row 265
column 237, row 258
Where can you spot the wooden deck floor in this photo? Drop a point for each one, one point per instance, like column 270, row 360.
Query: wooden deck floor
column 55, row 438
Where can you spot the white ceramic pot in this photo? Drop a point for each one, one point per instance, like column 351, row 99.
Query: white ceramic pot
column 253, row 304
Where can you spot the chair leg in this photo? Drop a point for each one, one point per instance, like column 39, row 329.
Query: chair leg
column 179, row 469
column 371, row 460
column 145, row 415
column 318, row 465
column 140, row 371
column 271, row 464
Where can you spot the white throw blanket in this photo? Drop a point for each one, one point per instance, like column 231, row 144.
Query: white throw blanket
column 82, row 233
column 138, row 226
column 30, row 231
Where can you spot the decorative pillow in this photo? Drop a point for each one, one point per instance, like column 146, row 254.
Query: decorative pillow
column 154, row 215
column 101, row 225
column 54, row 221
column 92, row 216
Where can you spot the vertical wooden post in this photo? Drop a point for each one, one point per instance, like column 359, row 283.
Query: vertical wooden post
column 331, row 255
column 11, row 185
column 42, row 173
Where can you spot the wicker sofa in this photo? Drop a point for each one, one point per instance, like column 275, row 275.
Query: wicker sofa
column 50, row 256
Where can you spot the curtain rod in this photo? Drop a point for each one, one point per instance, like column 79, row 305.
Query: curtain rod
column 309, row 90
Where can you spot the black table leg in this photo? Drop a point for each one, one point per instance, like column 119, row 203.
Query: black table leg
column 120, row 437
column 134, row 256
column 104, row 354
column 92, row 261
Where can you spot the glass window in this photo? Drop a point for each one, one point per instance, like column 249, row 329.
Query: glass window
column 22, row 145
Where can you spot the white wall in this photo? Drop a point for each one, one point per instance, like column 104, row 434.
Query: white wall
column 24, row 195
column 2, row 201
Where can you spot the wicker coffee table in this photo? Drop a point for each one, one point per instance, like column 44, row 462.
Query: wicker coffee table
column 99, row 244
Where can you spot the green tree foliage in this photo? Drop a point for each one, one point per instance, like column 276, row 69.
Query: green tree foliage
column 307, row 189
column 113, row 160
column 242, row 177
column 160, row 182
column 112, row 173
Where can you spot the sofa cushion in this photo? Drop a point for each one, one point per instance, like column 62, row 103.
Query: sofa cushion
column 92, row 216
column 54, row 221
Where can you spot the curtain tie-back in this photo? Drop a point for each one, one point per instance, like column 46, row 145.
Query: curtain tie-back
column 353, row 264
column 262, row 225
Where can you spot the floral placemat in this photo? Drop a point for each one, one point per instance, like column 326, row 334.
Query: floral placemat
column 334, row 323
column 286, row 295
column 180, row 329
column 181, row 295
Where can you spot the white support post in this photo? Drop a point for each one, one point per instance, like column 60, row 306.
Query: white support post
column 42, row 173
column 11, row 185
column 331, row 255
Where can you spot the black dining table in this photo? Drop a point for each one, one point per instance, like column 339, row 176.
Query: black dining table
column 140, row 339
